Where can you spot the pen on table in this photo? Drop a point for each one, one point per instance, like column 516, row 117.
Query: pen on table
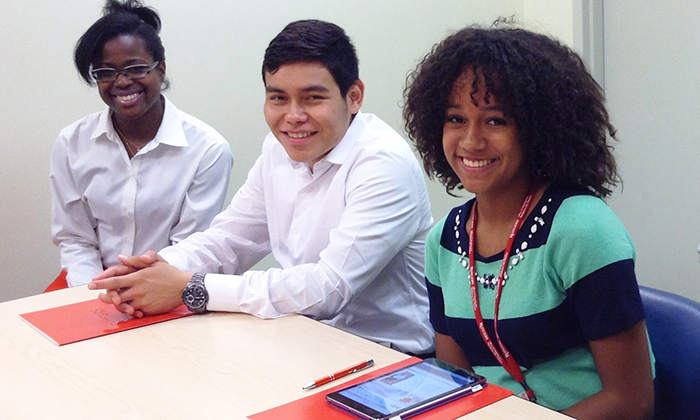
column 340, row 374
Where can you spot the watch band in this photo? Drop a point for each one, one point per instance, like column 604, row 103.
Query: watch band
column 198, row 277
column 195, row 295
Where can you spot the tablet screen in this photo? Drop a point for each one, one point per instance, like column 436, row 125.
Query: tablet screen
column 400, row 391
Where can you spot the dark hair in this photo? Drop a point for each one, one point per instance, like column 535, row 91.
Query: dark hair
column 119, row 18
column 314, row 41
column 558, row 107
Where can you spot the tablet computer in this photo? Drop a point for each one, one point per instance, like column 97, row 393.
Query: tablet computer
column 407, row 391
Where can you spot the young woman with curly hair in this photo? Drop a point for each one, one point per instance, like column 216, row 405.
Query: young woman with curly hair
column 532, row 282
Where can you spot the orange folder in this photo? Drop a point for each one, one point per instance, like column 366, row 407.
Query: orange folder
column 89, row 319
column 315, row 406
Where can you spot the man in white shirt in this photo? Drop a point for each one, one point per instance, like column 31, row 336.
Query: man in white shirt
column 337, row 196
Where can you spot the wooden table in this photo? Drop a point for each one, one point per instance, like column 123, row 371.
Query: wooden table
column 212, row 366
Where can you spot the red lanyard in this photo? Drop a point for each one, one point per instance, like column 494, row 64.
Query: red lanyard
column 504, row 357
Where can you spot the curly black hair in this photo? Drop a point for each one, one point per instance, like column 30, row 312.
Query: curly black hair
column 128, row 17
column 559, row 109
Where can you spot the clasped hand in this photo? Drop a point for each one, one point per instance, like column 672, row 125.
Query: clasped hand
column 142, row 285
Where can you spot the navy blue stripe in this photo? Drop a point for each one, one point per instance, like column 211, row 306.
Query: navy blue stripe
column 529, row 339
column 437, row 308
column 607, row 300
column 602, row 306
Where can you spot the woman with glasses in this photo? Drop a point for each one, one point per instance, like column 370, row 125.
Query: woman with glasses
column 532, row 282
column 141, row 174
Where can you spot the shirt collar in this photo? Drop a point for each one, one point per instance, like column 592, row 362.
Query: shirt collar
column 170, row 131
column 342, row 150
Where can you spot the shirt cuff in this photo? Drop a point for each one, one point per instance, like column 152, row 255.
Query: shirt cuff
column 173, row 258
column 78, row 275
column 223, row 292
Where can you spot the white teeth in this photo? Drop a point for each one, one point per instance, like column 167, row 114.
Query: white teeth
column 128, row 97
column 298, row 135
column 477, row 163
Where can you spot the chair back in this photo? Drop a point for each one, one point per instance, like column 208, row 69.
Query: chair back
column 673, row 323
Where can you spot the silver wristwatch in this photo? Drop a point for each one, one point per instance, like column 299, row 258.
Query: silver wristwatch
column 195, row 295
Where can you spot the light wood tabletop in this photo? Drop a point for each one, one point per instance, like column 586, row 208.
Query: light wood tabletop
column 211, row 366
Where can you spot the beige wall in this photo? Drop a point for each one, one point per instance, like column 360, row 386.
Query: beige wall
column 214, row 51
column 652, row 68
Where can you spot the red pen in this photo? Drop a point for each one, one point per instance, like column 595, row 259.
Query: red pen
column 339, row 374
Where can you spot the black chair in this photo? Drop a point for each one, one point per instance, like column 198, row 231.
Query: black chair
column 673, row 323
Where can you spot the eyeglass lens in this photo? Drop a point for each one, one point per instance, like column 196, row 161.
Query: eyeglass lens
column 138, row 71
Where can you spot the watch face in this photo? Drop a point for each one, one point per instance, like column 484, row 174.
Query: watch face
column 196, row 297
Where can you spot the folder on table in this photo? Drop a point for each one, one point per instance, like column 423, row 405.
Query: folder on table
column 315, row 406
column 89, row 319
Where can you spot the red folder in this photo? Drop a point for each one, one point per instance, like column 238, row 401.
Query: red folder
column 315, row 406
column 92, row 318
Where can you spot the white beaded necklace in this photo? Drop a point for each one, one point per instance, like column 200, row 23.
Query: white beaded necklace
column 489, row 280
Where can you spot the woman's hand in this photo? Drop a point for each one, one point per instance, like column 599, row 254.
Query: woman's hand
column 447, row 350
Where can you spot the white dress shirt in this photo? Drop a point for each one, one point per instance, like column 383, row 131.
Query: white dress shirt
column 105, row 204
column 349, row 238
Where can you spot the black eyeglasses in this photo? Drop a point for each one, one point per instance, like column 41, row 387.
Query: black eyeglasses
column 135, row 72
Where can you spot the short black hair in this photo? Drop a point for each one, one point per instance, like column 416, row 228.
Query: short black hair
column 130, row 17
column 559, row 109
column 314, row 41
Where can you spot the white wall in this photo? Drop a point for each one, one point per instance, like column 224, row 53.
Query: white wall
column 214, row 50
column 652, row 81
column 551, row 17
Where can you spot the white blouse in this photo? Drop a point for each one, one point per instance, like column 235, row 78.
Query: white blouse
column 105, row 204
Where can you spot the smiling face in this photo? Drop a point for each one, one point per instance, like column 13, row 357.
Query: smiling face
column 481, row 143
column 305, row 110
column 131, row 99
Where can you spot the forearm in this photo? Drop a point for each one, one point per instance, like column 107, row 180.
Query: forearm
column 73, row 229
column 81, row 261
column 236, row 239
column 215, row 251
column 304, row 289
column 623, row 363
column 447, row 349
column 607, row 405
